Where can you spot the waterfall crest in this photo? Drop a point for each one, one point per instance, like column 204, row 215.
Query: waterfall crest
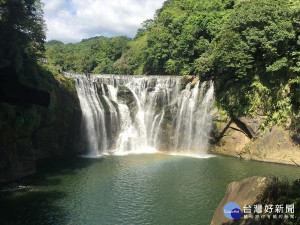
column 143, row 114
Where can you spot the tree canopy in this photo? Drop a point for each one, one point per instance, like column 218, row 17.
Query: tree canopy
column 22, row 37
column 90, row 55
column 22, row 29
column 256, row 59
column 250, row 48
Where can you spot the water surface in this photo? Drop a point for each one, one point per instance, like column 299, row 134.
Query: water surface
column 133, row 189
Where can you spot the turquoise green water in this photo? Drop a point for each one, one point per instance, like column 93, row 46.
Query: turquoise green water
column 134, row 189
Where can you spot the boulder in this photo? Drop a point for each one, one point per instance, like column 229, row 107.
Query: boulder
column 151, row 83
column 167, row 131
column 232, row 141
column 102, row 89
column 125, row 96
column 276, row 145
column 252, row 124
column 243, row 193
column 185, row 79
column 194, row 81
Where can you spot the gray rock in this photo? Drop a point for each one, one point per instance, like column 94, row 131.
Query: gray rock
column 275, row 145
column 151, row 83
column 101, row 90
column 125, row 96
column 243, row 193
column 167, row 131
column 252, row 124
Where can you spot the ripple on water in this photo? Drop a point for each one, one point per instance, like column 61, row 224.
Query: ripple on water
column 132, row 189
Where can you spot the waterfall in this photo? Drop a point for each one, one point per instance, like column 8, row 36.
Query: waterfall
column 124, row 114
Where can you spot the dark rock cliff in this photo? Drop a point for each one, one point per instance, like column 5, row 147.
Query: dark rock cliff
column 30, row 133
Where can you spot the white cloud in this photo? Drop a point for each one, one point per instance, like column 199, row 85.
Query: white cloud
column 53, row 6
column 73, row 20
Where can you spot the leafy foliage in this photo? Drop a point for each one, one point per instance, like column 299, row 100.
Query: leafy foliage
column 181, row 33
column 254, row 60
column 90, row 55
column 281, row 192
column 21, row 39
column 250, row 48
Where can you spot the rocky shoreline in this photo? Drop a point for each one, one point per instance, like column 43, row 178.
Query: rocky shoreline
column 242, row 138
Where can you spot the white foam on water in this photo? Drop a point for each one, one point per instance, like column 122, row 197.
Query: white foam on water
column 140, row 151
column 192, row 155
column 91, row 156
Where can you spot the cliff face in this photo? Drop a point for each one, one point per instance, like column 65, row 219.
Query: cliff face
column 242, row 138
column 29, row 133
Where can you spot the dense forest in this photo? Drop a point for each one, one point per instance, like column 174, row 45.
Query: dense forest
column 95, row 55
column 250, row 48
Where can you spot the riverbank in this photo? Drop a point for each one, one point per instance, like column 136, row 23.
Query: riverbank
column 244, row 139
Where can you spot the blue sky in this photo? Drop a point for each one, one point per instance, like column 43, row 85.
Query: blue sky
column 73, row 20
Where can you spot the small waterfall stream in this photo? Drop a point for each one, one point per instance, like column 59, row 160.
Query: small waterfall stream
column 143, row 114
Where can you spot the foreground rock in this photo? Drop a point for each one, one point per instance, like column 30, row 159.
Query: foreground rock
column 243, row 193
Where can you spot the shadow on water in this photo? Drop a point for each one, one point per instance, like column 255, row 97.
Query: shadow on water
column 37, row 203
column 66, row 166
column 48, row 172
column 34, row 207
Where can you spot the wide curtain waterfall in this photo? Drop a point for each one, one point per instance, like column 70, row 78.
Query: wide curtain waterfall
column 142, row 114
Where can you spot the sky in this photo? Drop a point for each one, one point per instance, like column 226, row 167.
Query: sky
column 74, row 20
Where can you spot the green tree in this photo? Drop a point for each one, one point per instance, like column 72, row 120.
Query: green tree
column 22, row 38
column 90, row 55
column 179, row 34
column 22, row 29
column 257, row 51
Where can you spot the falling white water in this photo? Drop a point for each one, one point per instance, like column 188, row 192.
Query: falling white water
column 194, row 119
column 93, row 116
column 143, row 114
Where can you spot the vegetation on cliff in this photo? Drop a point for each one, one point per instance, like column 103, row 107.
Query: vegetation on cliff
column 256, row 60
column 251, row 48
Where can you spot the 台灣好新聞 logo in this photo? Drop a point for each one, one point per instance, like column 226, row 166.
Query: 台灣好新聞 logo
column 232, row 211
